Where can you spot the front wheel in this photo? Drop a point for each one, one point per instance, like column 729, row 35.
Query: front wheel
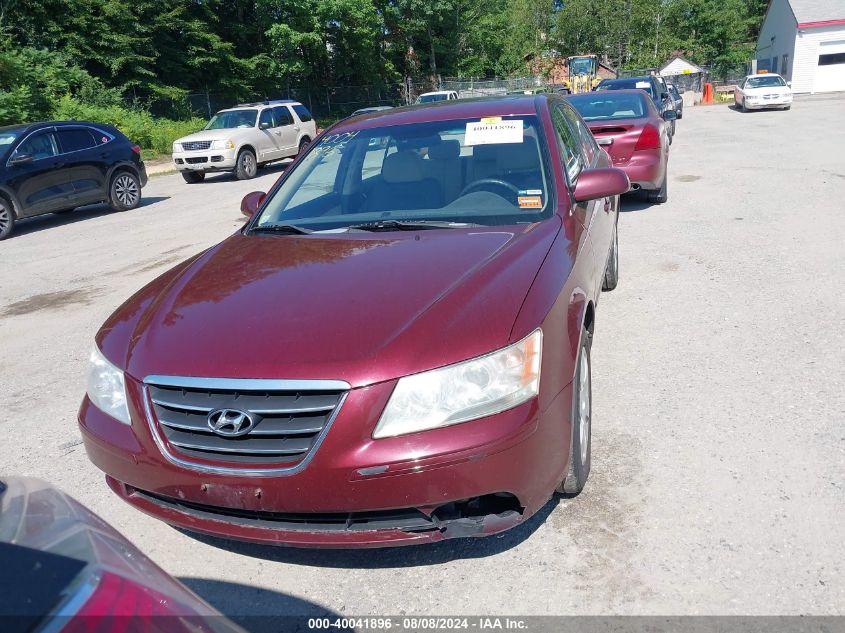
column 582, row 412
column 246, row 167
column 7, row 219
column 125, row 191
column 193, row 177
column 611, row 271
column 303, row 145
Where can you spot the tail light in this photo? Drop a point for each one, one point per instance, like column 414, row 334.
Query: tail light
column 136, row 149
column 649, row 138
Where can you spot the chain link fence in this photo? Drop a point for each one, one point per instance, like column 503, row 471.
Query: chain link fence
column 467, row 88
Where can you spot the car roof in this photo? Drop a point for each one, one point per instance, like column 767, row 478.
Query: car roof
column 612, row 94
column 259, row 104
column 42, row 124
column 511, row 105
column 627, row 79
column 764, row 75
column 438, row 92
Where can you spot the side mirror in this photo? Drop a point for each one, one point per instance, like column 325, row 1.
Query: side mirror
column 20, row 159
column 251, row 202
column 602, row 182
column 670, row 115
column 789, row 83
column 265, row 125
column 664, row 95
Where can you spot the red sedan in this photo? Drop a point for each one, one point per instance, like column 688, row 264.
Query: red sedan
column 627, row 124
column 394, row 349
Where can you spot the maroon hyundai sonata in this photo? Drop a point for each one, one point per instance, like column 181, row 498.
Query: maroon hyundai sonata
column 627, row 124
column 394, row 349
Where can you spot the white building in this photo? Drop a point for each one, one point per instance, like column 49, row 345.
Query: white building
column 804, row 40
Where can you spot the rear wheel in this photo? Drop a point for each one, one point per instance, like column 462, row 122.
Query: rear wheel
column 7, row 218
column 193, row 177
column 125, row 191
column 661, row 195
column 611, row 271
column 582, row 412
column 246, row 167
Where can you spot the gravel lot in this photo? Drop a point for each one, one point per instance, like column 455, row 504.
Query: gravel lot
column 719, row 443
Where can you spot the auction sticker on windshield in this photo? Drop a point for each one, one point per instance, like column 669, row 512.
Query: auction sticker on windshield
column 493, row 130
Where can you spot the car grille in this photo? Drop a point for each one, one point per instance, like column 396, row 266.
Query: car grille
column 197, row 160
column 194, row 146
column 287, row 422
column 405, row 519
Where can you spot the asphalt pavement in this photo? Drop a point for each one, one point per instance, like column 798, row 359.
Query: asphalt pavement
column 719, row 415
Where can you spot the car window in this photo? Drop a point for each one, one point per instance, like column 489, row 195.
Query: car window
column 303, row 113
column 607, row 105
column 7, row 138
column 485, row 170
column 232, row 119
column 765, row 81
column 585, row 137
column 266, row 119
column 283, row 116
column 569, row 145
column 74, row 140
column 39, row 146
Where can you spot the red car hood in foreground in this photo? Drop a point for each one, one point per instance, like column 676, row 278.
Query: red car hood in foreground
column 359, row 307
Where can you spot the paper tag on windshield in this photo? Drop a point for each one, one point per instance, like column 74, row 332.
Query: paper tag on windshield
column 484, row 133
column 530, row 202
column 643, row 84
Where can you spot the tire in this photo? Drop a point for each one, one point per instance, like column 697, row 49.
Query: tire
column 246, row 168
column 193, row 177
column 124, row 191
column 680, row 115
column 7, row 218
column 744, row 108
column 303, row 144
column 788, row 108
column 611, row 269
column 661, row 195
column 582, row 412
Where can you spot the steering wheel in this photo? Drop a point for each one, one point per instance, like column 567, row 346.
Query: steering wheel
column 489, row 181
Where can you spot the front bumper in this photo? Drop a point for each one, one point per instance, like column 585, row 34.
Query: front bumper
column 513, row 460
column 205, row 160
column 762, row 104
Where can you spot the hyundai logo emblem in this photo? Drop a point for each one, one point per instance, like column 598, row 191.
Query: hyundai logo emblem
column 230, row 422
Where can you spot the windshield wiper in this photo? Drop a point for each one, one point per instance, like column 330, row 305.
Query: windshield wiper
column 290, row 229
column 408, row 225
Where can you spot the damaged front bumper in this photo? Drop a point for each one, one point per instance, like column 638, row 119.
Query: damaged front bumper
column 481, row 516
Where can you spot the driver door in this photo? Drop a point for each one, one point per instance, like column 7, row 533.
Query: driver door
column 42, row 183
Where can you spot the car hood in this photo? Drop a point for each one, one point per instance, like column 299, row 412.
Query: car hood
column 772, row 90
column 363, row 308
column 209, row 135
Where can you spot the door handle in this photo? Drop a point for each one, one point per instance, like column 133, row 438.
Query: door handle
column 296, row 127
column 277, row 133
column 604, row 141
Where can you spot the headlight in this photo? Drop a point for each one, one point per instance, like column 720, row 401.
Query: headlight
column 177, row 147
column 106, row 388
column 222, row 145
column 465, row 391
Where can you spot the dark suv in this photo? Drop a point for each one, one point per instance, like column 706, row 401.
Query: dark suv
column 57, row 166
column 653, row 85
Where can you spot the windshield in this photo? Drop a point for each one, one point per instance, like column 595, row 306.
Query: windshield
column 7, row 137
column 489, row 171
column 627, row 84
column 581, row 66
column 430, row 98
column 606, row 107
column 770, row 81
column 232, row 119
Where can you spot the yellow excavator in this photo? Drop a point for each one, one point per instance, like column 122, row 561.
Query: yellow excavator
column 583, row 73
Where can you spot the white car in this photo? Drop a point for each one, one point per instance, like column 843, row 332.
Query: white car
column 768, row 90
column 244, row 138
column 437, row 95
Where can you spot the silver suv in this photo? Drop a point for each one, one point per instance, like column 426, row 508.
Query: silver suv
column 244, row 138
